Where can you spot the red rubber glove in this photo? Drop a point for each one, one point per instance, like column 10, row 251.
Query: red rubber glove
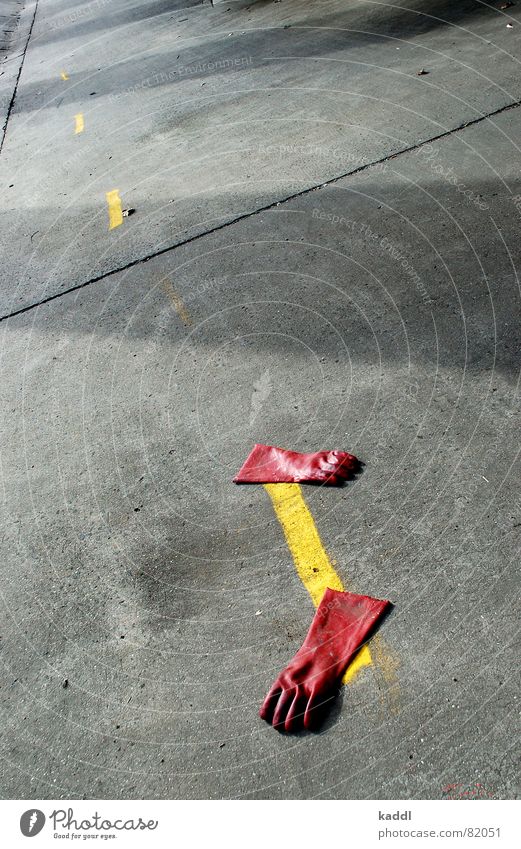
column 341, row 625
column 266, row 464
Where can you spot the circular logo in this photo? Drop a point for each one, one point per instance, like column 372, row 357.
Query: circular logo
column 32, row 822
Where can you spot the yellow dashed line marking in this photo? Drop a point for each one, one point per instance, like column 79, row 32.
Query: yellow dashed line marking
column 311, row 561
column 64, row 75
column 79, row 123
column 115, row 210
column 176, row 302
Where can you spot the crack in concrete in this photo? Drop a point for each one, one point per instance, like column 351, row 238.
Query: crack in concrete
column 265, row 208
column 15, row 90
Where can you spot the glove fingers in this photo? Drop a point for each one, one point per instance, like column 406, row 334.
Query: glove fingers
column 270, row 703
column 315, row 710
column 349, row 463
column 283, row 705
column 295, row 715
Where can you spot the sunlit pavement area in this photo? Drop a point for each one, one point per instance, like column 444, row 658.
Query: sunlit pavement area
column 322, row 253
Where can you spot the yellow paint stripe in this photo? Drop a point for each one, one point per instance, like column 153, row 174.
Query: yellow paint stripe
column 311, row 561
column 387, row 665
column 79, row 124
column 64, row 75
column 176, row 302
column 115, row 211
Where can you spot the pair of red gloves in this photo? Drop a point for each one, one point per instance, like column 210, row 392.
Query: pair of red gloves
column 342, row 622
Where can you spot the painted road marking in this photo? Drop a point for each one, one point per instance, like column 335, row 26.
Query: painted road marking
column 79, row 123
column 311, row 561
column 176, row 302
column 64, row 75
column 386, row 665
column 115, row 211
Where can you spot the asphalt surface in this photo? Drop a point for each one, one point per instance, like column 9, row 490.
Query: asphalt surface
column 323, row 253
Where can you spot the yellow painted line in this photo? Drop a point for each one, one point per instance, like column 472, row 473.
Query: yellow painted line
column 176, row 302
column 311, row 561
column 115, row 211
column 79, row 123
column 64, row 75
column 387, row 665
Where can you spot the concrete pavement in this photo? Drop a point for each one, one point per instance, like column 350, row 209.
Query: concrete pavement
column 377, row 304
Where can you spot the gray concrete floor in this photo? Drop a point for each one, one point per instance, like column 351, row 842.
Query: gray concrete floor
column 312, row 212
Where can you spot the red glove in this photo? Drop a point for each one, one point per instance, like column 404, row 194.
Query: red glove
column 341, row 625
column 266, row 464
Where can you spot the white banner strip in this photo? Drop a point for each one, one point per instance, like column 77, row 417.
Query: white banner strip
column 245, row 824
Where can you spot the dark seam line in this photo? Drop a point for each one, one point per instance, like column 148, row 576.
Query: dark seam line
column 266, row 208
column 15, row 90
